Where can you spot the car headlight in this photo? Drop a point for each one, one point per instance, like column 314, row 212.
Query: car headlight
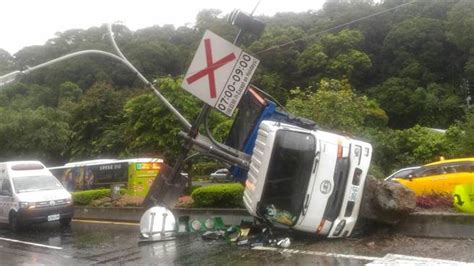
column 339, row 227
column 69, row 201
column 27, row 205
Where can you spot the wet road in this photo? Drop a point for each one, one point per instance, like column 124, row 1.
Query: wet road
column 105, row 243
column 95, row 243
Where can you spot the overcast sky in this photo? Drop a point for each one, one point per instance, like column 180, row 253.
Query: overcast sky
column 32, row 22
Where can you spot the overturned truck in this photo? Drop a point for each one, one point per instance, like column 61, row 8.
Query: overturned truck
column 295, row 174
column 299, row 176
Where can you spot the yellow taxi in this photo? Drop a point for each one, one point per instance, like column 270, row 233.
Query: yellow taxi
column 440, row 177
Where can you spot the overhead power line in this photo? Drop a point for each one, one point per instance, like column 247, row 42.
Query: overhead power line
column 335, row 27
column 324, row 31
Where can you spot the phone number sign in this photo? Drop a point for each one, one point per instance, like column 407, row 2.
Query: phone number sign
column 219, row 73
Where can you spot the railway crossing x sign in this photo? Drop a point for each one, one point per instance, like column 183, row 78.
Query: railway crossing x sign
column 219, row 73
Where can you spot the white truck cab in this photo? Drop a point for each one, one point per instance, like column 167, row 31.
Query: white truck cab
column 308, row 180
column 29, row 193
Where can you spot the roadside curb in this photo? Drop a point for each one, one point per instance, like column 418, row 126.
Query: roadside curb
column 439, row 225
column 418, row 224
column 132, row 214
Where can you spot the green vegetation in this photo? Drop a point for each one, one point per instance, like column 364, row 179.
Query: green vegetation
column 86, row 197
column 190, row 190
column 387, row 79
column 205, row 168
column 219, row 196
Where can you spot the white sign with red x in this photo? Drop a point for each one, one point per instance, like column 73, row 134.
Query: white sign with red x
column 219, row 73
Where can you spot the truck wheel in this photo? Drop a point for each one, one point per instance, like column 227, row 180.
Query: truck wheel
column 15, row 225
column 65, row 221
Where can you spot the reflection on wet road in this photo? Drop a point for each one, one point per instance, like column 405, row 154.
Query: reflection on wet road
column 91, row 243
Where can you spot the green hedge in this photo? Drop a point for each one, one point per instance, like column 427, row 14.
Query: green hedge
column 219, row 196
column 189, row 190
column 85, row 197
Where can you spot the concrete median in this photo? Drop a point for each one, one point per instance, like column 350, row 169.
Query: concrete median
column 419, row 224
column 129, row 214
column 438, row 224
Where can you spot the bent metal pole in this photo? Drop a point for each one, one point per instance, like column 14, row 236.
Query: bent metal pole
column 10, row 77
column 183, row 120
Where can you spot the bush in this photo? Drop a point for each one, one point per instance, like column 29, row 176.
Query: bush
column 85, row 197
column 395, row 149
column 219, row 196
column 189, row 190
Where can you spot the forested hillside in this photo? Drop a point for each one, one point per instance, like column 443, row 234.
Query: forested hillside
column 387, row 78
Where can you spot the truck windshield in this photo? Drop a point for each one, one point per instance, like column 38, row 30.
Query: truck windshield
column 35, row 183
column 288, row 175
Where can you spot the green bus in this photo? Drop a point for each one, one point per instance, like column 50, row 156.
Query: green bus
column 136, row 174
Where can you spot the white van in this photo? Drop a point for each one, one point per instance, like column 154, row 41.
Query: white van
column 29, row 193
column 307, row 180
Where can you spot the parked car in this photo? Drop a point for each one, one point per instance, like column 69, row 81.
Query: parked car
column 29, row 193
column 221, row 175
column 402, row 173
column 440, row 177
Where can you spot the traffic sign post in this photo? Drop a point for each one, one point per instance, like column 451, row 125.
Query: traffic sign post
column 219, row 73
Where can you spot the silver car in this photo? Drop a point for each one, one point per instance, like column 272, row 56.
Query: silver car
column 221, row 175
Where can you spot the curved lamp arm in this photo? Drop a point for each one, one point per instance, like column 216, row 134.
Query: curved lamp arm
column 10, row 77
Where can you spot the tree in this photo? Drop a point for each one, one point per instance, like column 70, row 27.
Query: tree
column 277, row 63
column 418, row 48
column 96, row 123
column 395, row 149
column 211, row 19
column 6, row 62
column 461, row 33
column 408, row 104
column 150, row 128
column 335, row 106
column 41, row 134
column 461, row 136
column 335, row 56
column 461, row 25
column 156, row 58
column 21, row 96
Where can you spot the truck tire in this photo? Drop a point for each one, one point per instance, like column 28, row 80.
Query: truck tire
column 65, row 222
column 15, row 225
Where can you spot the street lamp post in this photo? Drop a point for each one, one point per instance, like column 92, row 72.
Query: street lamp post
column 11, row 77
column 171, row 183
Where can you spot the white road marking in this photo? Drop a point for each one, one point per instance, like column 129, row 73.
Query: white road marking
column 389, row 259
column 30, row 243
column 104, row 222
column 396, row 259
column 317, row 253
